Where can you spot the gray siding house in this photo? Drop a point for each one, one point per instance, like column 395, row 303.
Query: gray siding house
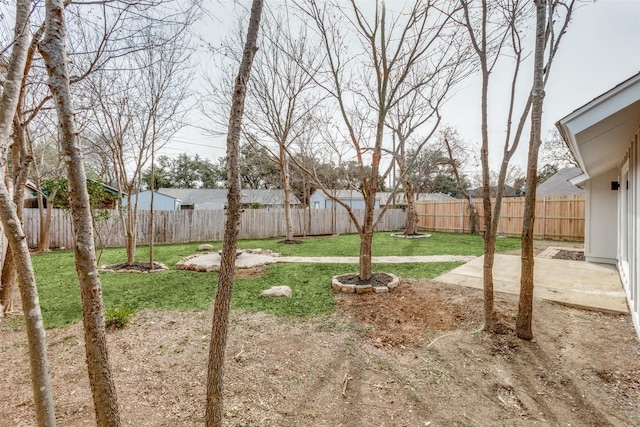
column 320, row 199
column 604, row 137
column 211, row 199
column 161, row 202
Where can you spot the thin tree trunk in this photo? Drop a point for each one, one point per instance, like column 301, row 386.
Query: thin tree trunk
column 474, row 225
column 286, row 186
column 100, row 378
column 151, row 209
column 40, row 381
column 219, row 329
column 488, row 235
column 21, row 160
column 473, row 215
column 130, row 225
column 525, row 303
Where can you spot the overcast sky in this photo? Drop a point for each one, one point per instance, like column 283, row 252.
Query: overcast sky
column 600, row 50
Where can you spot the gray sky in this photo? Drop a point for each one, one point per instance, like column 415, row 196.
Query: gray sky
column 600, row 50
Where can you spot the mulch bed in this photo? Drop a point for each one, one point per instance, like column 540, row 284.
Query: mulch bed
column 136, row 267
column 377, row 279
column 570, row 255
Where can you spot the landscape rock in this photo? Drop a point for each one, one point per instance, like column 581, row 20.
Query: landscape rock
column 205, row 247
column 277, row 291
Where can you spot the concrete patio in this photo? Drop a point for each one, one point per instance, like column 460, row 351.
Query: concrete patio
column 575, row 283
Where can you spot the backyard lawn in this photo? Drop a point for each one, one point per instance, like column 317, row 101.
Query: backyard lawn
column 411, row 357
column 186, row 290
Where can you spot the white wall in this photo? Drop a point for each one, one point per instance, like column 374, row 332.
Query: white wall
column 601, row 222
column 628, row 251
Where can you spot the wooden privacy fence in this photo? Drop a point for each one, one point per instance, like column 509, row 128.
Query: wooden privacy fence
column 557, row 217
column 206, row 225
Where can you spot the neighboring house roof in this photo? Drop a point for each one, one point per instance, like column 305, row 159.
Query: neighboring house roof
column 158, row 193
column 559, row 183
column 196, row 196
column 508, row 191
column 203, row 197
column 345, row 194
column 385, row 197
column 267, row 197
column 598, row 132
column 109, row 189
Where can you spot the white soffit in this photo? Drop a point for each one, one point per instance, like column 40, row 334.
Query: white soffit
column 598, row 133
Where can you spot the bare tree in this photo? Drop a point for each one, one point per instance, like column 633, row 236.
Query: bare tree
column 372, row 58
column 40, row 381
column 100, row 378
column 219, row 329
column 555, row 151
column 457, row 156
column 492, row 28
column 419, row 111
column 279, row 99
column 139, row 106
column 549, row 13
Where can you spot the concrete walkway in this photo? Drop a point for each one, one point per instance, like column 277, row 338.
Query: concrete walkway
column 378, row 259
column 576, row 283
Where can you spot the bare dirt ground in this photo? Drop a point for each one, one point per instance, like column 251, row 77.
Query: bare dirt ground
column 413, row 357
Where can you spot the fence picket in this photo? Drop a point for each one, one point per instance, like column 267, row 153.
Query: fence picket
column 206, row 225
column 557, row 217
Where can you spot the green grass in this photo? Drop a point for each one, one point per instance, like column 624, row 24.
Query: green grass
column 168, row 290
column 384, row 245
column 186, row 290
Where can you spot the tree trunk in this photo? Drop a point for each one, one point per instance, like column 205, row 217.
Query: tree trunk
column 21, row 160
column 412, row 213
column 218, row 344
column 7, row 282
column 130, row 225
column 286, row 186
column 40, row 381
column 366, row 245
column 45, row 222
column 473, row 216
column 100, row 378
column 525, row 303
column 366, row 235
column 489, row 236
column 151, row 209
